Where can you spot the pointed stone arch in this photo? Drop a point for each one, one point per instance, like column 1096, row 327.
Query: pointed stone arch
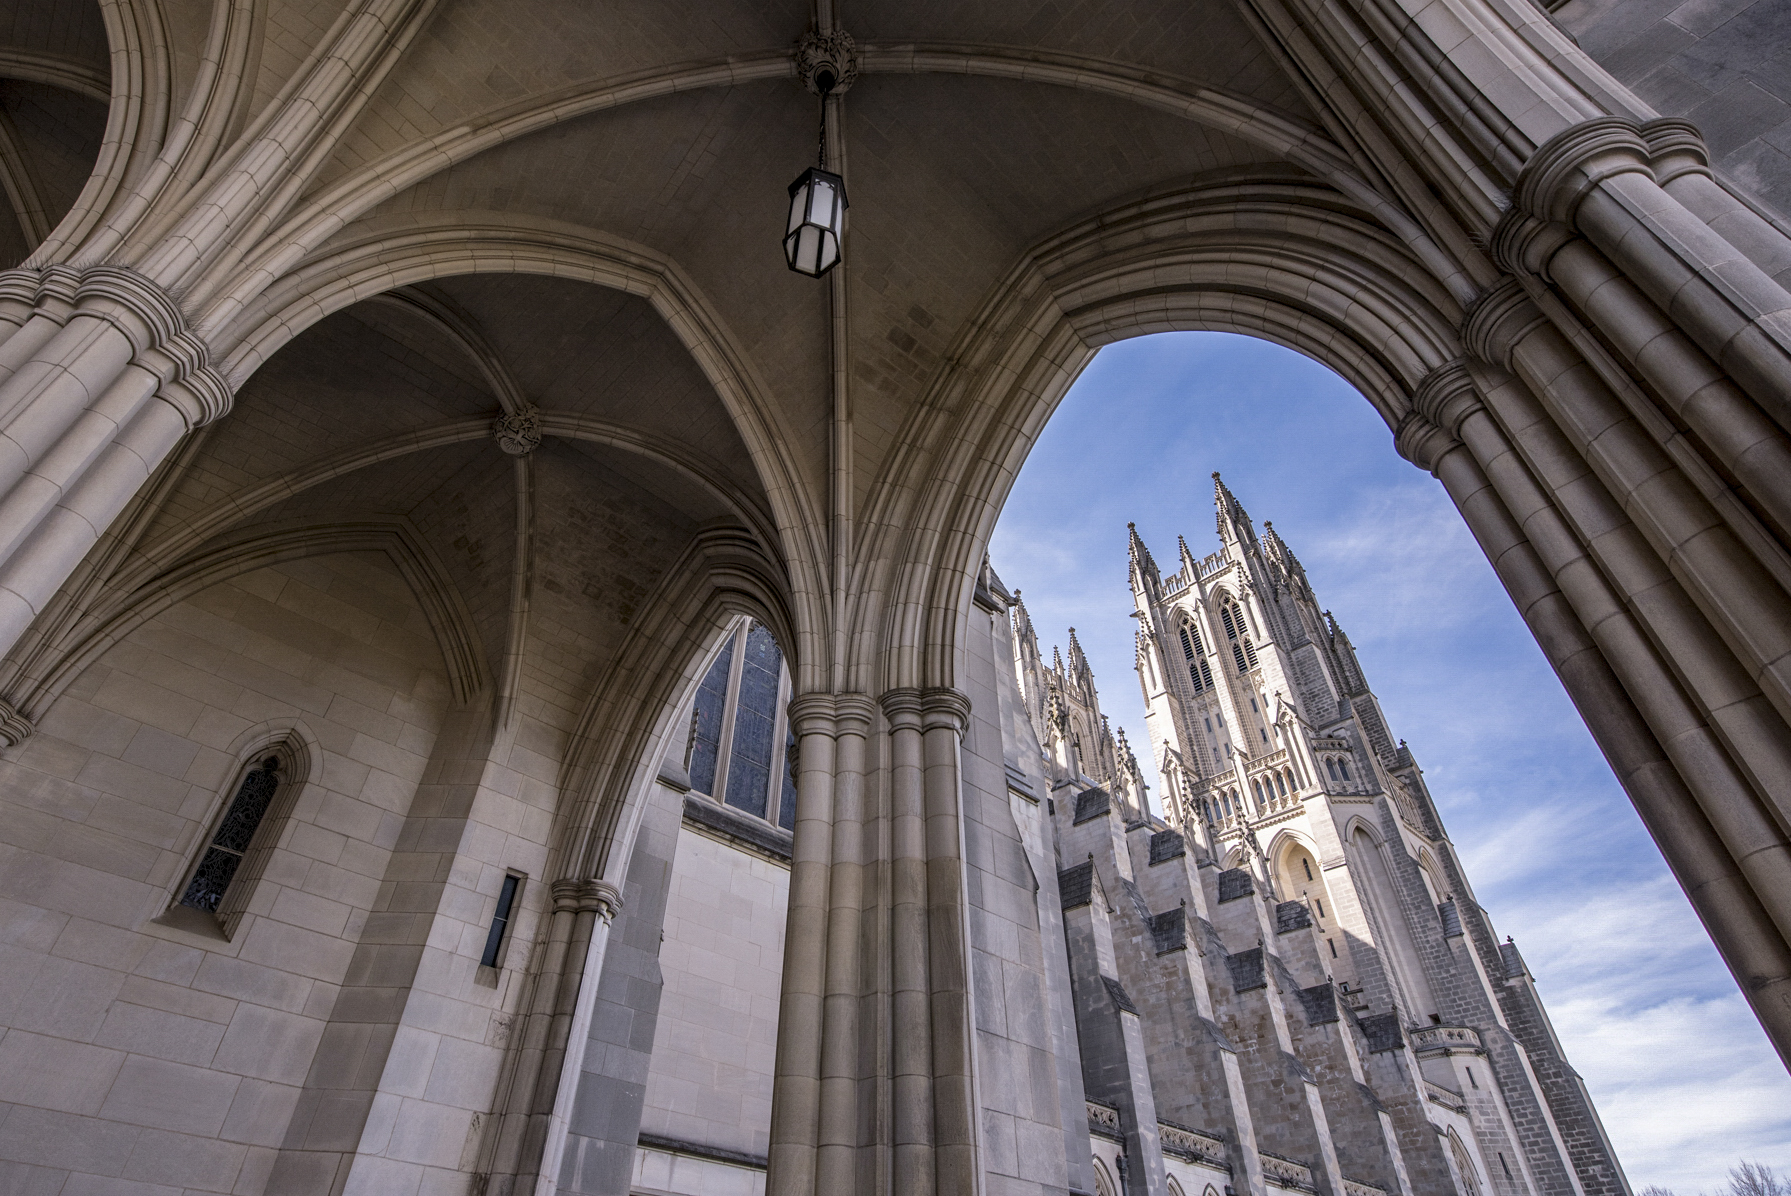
column 384, row 257
column 456, row 634
column 1282, row 259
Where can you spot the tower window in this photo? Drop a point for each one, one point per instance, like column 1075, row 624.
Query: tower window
column 500, row 921
column 1331, row 767
column 1280, row 785
column 1199, row 673
column 224, row 855
column 1343, row 767
column 1263, row 733
column 1209, row 726
column 1307, row 865
column 1332, row 944
column 1253, row 706
column 1257, row 787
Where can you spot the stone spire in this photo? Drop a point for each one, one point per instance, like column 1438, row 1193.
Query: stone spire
column 1234, row 521
column 1146, row 581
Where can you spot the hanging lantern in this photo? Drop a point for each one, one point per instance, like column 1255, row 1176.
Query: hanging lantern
column 817, row 222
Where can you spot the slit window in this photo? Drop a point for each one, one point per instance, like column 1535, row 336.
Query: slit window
column 224, row 854
column 500, row 921
column 742, row 749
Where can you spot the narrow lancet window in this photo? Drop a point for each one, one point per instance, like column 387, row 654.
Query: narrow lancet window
column 500, row 921
column 217, row 867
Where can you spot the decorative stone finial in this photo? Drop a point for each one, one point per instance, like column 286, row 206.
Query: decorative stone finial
column 827, row 63
column 518, row 433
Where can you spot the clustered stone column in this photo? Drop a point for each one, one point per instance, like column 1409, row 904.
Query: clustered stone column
column 842, row 843
column 1617, row 441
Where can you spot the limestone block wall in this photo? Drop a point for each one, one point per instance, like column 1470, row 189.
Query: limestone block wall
column 145, row 1054
column 722, row 961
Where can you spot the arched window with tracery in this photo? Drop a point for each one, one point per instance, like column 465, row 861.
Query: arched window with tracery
column 1199, row 673
column 1243, row 652
column 225, row 871
column 740, row 747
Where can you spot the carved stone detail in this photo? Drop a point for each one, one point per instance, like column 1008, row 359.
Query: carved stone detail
column 827, row 56
column 518, row 432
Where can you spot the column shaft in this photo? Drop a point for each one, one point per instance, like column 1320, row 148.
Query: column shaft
column 796, row 1087
column 837, row 1161
column 956, row 1168
column 911, row 1033
column 1749, row 943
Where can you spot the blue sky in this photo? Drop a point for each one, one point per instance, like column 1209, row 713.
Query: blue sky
column 1682, row 1075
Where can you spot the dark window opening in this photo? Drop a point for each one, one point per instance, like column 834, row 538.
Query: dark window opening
column 500, row 921
column 1307, row 865
column 1332, row 944
column 225, row 853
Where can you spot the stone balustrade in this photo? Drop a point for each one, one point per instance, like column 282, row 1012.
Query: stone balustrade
column 1447, row 1040
column 1104, row 1121
column 1285, row 1173
column 1196, row 1146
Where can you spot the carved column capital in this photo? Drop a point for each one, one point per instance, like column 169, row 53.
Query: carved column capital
column 943, row 707
column 853, row 713
column 1524, row 244
column 15, row 728
column 1421, row 442
column 1569, row 165
column 131, row 303
column 1497, row 320
column 1675, row 148
column 812, row 714
column 571, row 895
column 1447, row 396
column 903, row 708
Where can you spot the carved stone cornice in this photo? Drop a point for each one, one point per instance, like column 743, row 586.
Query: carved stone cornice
column 832, row 55
column 587, row 896
column 518, row 433
column 1498, row 320
column 1571, row 164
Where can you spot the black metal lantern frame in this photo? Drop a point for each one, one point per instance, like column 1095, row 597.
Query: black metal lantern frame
column 817, row 222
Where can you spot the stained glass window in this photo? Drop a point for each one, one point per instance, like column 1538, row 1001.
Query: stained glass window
column 749, row 765
column 711, row 702
column 224, row 855
column 741, row 748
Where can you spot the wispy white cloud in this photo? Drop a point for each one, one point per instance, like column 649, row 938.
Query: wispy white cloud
column 1681, row 1073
